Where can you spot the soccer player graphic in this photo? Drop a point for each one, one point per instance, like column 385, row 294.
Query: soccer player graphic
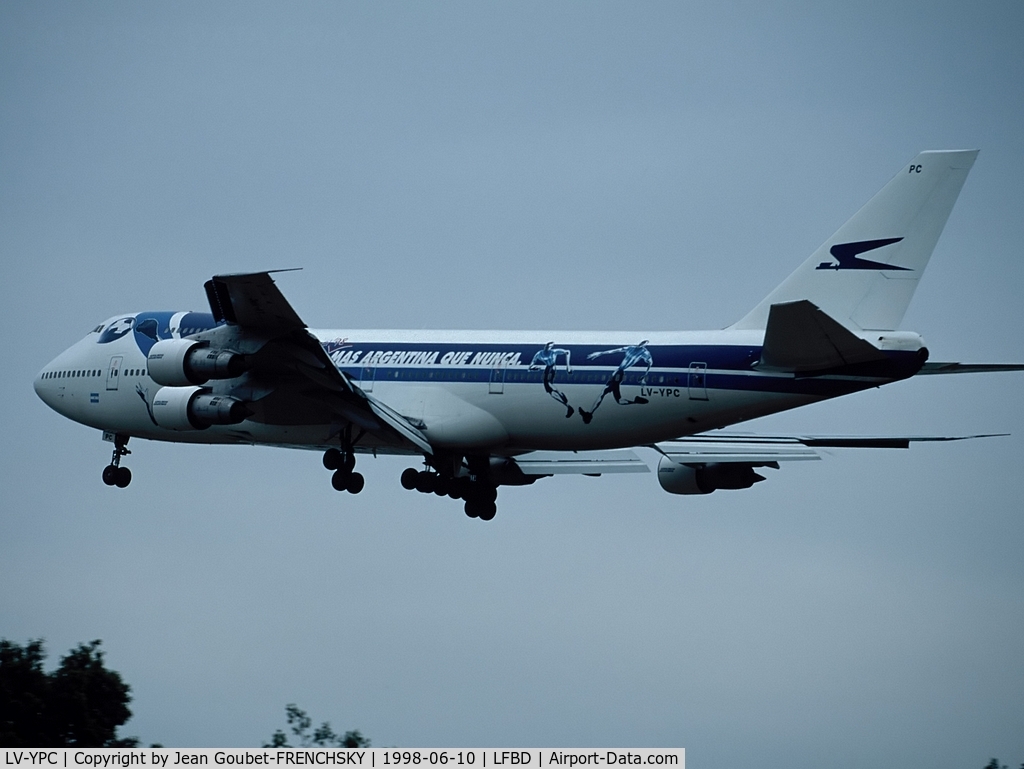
column 548, row 358
column 632, row 355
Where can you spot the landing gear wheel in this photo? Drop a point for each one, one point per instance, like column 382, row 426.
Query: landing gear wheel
column 409, row 477
column 332, row 459
column 486, row 493
column 441, row 485
column 339, row 460
column 461, row 488
column 110, row 475
column 341, row 479
column 424, row 482
column 487, row 511
column 356, row 483
column 124, row 477
column 472, row 510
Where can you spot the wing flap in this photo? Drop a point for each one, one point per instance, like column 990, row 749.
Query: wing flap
column 252, row 300
column 581, row 462
column 397, row 422
column 738, row 450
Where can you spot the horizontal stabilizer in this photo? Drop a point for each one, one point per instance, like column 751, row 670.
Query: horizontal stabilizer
column 968, row 368
column 884, row 441
column 801, row 338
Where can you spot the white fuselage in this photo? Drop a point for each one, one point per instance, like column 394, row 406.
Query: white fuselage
column 494, row 392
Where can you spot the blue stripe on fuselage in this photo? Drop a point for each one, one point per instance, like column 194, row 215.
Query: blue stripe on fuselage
column 723, row 367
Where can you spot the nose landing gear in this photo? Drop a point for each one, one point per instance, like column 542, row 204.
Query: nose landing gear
column 114, row 474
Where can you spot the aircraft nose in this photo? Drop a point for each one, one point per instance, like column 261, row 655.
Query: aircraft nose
column 39, row 384
column 49, row 382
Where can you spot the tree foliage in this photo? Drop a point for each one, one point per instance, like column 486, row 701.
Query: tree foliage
column 323, row 736
column 80, row 704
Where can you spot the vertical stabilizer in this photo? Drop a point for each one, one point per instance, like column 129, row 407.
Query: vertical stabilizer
column 865, row 274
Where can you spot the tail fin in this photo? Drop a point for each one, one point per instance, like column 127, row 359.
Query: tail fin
column 865, row 274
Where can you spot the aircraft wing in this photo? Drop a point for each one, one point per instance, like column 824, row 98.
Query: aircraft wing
column 295, row 381
column 765, row 450
column 703, row 463
column 740, row 449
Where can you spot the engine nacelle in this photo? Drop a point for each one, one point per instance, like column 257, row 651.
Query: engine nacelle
column 684, row 479
column 194, row 408
column 182, row 362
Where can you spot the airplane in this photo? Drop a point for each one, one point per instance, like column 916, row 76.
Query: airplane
column 487, row 409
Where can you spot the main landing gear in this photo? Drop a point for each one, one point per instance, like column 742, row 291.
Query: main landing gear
column 480, row 496
column 114, row 474
column 344, row 478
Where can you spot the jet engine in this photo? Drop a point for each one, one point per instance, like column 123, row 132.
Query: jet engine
column 194, row 408
column 676, row 478
column 181, row 362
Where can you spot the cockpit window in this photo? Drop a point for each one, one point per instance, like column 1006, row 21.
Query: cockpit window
column 117, row 329
column 97, row 330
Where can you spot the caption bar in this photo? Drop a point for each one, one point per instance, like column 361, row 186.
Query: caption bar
column 477, row 758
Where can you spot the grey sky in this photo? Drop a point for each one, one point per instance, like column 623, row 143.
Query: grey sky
column 532, row 165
